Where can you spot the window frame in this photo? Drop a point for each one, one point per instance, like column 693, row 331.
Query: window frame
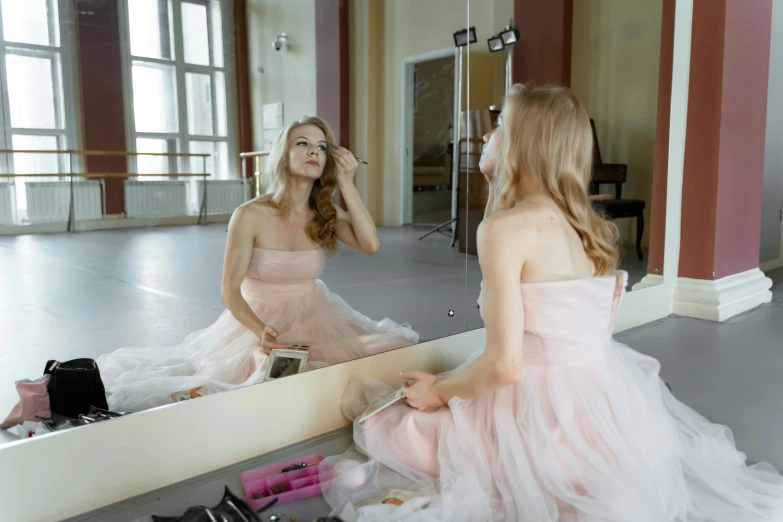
column 182, row 137
column 64, row 87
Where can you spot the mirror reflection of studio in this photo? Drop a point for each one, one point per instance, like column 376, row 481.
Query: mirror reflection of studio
column 369, row 260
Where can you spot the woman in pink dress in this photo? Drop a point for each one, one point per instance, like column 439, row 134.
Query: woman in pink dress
column 553, row 420
column 275, row 252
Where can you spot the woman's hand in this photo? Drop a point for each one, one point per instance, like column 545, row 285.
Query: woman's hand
column 269, row 340
column 346, row 165
column 423, row 393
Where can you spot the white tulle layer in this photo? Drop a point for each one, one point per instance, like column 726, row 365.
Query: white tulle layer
column 226, row 355
column 601, row 441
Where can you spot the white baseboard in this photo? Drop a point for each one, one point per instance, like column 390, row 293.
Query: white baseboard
column 722, row 299
column 648, row 281
column 774, row 264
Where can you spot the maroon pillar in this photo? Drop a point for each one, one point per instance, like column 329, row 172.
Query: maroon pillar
column 543, row 54
column 244, row 110
column 724, row 146
column 331, row 70
column 103, row 105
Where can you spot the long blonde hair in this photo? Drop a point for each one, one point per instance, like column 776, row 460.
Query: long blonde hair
column 548, row 149
column 322, row 230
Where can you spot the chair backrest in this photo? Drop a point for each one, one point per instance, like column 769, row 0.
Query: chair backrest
column 596, row 148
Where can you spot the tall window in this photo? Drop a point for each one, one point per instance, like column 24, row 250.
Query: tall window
column 36, row 93
column 179, row 96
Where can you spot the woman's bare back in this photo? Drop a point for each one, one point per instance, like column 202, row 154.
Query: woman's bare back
column 556, row 250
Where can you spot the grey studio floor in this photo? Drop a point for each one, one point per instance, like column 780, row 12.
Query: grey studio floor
column 80, row 295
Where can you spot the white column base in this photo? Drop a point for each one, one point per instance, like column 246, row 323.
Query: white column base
column 719, row 300
column 648, row 281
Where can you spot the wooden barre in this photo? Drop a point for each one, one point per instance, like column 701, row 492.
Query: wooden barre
column 104, row 175
column 131, row 175
column 105, row 153
column 123, row 153
column 253, row 154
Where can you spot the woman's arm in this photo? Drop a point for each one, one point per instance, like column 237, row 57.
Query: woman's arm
column 501, row 254
column 501, row 251
column 239, row 249
column 355, row 228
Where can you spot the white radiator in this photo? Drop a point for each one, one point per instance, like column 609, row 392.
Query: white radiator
column 49, row 201
column 223, row 196
column 7, row 203
column 156, row 198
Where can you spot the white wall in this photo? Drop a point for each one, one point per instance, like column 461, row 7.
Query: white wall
column 771, row 250
column 289, row 75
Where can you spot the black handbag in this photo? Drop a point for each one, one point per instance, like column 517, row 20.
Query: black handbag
column 75, row 386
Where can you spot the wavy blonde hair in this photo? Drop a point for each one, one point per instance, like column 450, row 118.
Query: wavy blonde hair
column 548, row 148
column 322, row 230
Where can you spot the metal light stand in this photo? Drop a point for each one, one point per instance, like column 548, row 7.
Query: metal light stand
column 509, row 66
column 257, row 175
column 454, row 221
column 244, row 177
column 71, row 210
column 203, row 211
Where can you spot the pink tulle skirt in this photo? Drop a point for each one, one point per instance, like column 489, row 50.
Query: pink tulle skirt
column 592, row 441
column 226, row 355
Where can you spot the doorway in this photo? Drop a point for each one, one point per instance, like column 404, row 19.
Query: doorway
column 428, row 124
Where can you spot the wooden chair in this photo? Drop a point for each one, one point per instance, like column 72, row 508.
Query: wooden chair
column 617, row 208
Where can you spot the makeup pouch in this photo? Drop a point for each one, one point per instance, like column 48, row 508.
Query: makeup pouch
column 288, row 481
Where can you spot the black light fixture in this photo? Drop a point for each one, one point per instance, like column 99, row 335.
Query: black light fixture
column 510, row 35
column 506, row 37
column 495, row 43
column 465, row 37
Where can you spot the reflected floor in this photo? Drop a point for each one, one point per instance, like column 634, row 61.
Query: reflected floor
column 84, row 294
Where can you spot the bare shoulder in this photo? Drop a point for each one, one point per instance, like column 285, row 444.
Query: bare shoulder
column 254, row 209
column 518, row 227
column 249, row 218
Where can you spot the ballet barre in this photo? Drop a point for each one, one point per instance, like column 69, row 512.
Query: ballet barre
column 202, row 216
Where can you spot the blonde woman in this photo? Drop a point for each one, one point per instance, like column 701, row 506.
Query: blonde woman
column 275, row 252
column 553, row 420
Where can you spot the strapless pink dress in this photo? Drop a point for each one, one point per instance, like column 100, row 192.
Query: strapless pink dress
column 588, row 433
column 284, row 291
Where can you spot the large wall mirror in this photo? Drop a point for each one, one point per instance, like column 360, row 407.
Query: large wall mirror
column 618, row 61
column 133, row 129
column 621, row 69
column 409, row 86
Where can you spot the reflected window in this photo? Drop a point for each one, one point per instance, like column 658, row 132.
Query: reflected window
column 178, row 97
column 36, row 90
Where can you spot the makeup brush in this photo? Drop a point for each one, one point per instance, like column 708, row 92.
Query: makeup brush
column 360, row 160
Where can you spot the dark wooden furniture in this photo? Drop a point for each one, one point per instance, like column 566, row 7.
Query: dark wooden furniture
column 473, row 194
column 617, row 208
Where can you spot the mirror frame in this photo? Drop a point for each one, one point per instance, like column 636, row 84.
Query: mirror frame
column 82, row 469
